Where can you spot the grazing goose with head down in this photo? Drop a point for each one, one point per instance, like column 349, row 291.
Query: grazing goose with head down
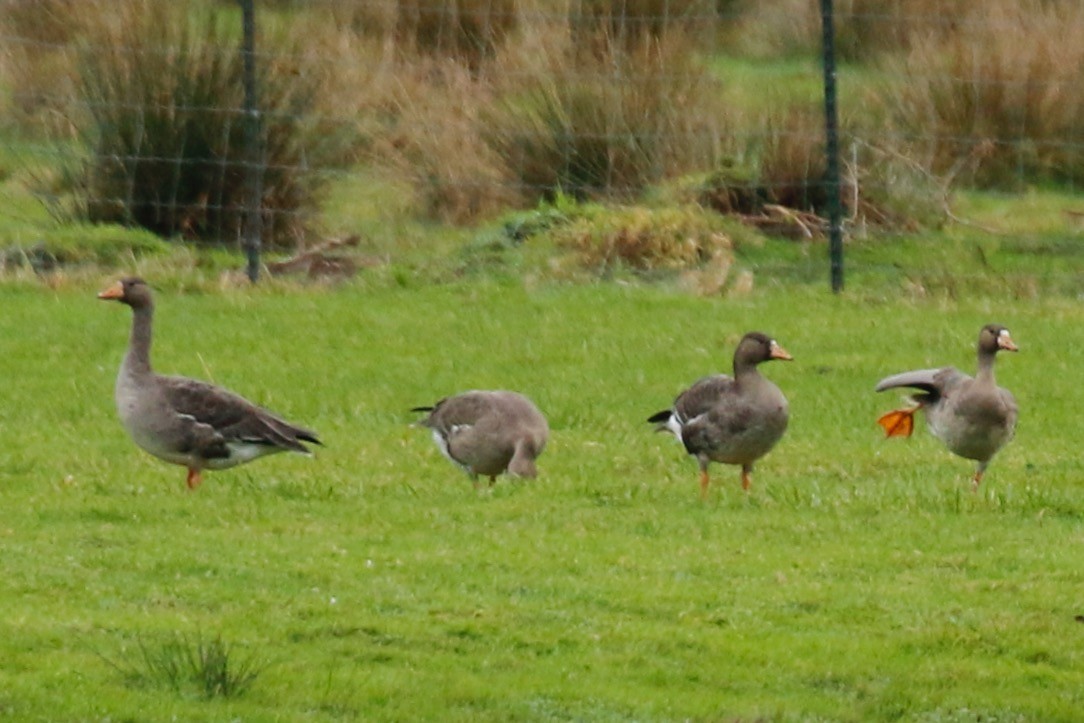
column 974, row 417
column 488, row 432
column 184, row 421
column 731, row 420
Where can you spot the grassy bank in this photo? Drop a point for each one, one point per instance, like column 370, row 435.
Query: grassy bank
column 858, row 580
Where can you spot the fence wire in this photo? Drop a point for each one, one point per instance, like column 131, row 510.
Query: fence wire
column 129, row 112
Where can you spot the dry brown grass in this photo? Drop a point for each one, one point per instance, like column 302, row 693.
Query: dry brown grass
column 469, row 31
column 486, row 104
column 544, row 119
column 437, row 143
column 1000, row 102
column 864, row 29
column 157, row 111
column 601, row 26
column 607, row 125
column 33, row 56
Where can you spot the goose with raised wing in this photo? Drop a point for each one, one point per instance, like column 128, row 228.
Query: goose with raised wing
column 733, row 420
column 488, row 433
column 185, row 421
column 972, row 416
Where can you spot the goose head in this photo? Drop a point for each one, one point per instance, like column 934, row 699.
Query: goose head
column 994, row 338
column 756, row 347
column 132, row 291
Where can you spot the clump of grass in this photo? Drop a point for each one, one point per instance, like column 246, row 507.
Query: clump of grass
column 791, row 158
column 211, row 667
column 784, row 165
column 437, row 143
column 606, row 125
column 1001, row 95
column 547, row 118
column 606, row 239
column 159, row 108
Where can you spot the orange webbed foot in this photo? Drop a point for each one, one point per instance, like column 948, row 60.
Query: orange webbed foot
column 195, row 477
column 898, row 422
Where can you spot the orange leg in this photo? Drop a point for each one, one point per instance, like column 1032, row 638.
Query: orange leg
column 195, row 477
column 976, row 480
column 746, row 479
column 704, row 483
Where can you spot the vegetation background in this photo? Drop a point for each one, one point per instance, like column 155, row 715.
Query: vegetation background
column 587, row 201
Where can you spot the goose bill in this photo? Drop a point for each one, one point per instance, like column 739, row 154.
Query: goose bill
column 116, row 291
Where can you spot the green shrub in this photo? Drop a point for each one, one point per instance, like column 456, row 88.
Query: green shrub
column 160, row 113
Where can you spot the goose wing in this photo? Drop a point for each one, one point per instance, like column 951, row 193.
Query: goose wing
column 221, row 417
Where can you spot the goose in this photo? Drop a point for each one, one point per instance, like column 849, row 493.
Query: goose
column 973, row 417
column 488, row 432
column 185, row 421
column 733, row 420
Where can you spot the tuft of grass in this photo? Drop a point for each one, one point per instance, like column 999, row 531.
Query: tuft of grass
column 439, row 147
column 607, row 239
column 607, row 124
column 157, row 108
column 211, row 667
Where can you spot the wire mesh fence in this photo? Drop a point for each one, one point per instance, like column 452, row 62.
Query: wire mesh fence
column 132, row 112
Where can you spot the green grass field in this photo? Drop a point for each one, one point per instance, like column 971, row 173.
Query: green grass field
column 860, row 579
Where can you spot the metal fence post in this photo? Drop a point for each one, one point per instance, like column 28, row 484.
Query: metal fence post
column 831, row 127
column 253, row 145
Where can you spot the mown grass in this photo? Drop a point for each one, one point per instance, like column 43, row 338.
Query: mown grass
column 858, row 580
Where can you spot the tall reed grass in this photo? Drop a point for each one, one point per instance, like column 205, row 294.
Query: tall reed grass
column 999, row 102
column 159, row 110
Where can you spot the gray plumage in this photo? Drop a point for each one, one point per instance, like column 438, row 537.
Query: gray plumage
column 972, row 416
column 185, row 421
column 488, row 432
column 733, row 420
